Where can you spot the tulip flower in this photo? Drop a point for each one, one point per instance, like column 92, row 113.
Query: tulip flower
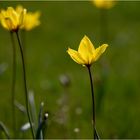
column 86, row 54
column 12, row 19
column 104, row 4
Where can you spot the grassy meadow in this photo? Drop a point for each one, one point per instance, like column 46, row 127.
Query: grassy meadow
column 116, row 73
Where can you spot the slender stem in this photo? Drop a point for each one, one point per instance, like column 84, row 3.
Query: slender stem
column 93, row 103
column 25, row 84
column 13, row 82
column 23, row 41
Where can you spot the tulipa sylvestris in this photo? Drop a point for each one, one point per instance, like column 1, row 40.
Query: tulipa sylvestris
column 86, row 54
column 12, row 19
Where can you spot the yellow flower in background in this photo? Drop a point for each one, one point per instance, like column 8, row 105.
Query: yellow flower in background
column 12, row 19
column 104, row 4
column 86, row 53
column 31, row 20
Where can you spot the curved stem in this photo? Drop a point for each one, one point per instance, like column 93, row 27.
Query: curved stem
column 93, row 103
column 25, row 84
column 13, row 82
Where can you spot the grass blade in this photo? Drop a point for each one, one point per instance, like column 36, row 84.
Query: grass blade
column 5, row 130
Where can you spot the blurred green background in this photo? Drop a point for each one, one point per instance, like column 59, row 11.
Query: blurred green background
column 116, row 74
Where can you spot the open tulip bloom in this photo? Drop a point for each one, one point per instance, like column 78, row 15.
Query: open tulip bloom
column 86, row 56
column 12, row 19
column 86, row 53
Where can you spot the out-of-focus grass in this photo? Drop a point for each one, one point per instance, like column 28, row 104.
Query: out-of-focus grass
column 63, row 24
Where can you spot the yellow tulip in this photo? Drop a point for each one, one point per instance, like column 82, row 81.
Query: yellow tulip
column 104, row 4
column 31, row 20
column 12, row 19
column 86, row 53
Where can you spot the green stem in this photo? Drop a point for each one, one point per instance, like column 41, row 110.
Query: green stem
column 25, row 85
column 23, row 42
column 13, row 82
column 93, row 104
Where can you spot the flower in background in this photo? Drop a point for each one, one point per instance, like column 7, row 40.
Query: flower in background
column 12, row 19
column 86, row 53
column 31, row 20
column 104, row 4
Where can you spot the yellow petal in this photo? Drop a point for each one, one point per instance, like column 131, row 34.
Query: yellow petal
column 31, row 20
column 75, row 56
column 22, row 17
column 13, row 16
column 8, row 23
column 99, row 51
column 19, row 9
column 4, row 24
column 36, row 18
column 86, row 49
column 2, row 19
